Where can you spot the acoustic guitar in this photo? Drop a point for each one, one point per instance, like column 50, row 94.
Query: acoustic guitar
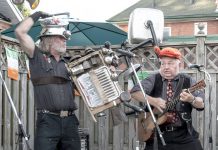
column 146, row 125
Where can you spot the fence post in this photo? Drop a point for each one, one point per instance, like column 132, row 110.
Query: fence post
column 202, row 120
column 1, row 123
column 102, row 134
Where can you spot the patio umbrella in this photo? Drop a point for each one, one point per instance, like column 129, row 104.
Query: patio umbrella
column 83, row 33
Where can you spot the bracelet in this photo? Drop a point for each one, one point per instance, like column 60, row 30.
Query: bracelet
column 193, row 101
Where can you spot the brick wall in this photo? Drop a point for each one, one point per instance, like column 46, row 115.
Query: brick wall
column 212, row 27
column 185, row 28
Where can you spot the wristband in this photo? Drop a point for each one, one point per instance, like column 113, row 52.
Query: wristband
column 193, row 101
column 35, row 16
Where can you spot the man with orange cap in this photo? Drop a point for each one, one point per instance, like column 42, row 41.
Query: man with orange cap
column 162, row 90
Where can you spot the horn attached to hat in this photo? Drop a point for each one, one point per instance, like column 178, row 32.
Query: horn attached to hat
column 168, row 52
column 54, row 26
column 33, row 3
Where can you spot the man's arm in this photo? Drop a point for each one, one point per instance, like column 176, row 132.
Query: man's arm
column 196, row 99
column 196, row 102
column 26, row 42
column 159, row 103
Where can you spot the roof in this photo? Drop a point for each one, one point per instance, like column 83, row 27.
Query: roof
column 173, row 9
column 9, row 10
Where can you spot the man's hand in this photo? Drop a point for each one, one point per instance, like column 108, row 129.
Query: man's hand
column 159, row 103
column 44, row 14
column 197, row 102
column 186, row 97
column 39, row 14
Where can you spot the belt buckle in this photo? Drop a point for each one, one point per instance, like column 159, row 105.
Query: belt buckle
column 63, row 113
column 169, row 128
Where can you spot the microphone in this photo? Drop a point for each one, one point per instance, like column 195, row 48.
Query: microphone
column 127, row 53
column 195, row 66
column 128, row 73
column 125, row 97
column 134, row 107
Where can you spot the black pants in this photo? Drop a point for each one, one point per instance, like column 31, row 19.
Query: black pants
column 177, row 140
column 194, row 145
column 56, row 133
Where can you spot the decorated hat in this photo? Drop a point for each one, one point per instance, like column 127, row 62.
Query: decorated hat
column 54, row 26
column 168, row 52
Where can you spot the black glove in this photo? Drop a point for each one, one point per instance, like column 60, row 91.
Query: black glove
column 39, row 14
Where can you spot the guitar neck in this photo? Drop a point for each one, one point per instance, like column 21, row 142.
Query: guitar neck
column 171, row 104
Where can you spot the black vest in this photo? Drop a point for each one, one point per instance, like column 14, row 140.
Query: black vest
column 184, row 108
column 158, row 88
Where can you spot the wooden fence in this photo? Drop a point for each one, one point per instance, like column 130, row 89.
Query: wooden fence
column 103, row 135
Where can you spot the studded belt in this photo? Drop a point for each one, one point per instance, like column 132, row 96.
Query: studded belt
column 62, row 113
column 171, row 128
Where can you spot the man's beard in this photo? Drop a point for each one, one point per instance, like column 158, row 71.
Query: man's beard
column 61, row 50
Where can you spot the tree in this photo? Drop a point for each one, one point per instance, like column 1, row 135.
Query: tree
column 24, row 10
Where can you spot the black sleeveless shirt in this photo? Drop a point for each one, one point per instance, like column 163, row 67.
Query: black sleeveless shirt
column 52, row 97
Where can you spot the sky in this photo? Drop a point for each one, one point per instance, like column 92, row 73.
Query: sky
column 87, row 10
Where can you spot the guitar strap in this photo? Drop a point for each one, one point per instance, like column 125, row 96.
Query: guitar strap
column 178, row 91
